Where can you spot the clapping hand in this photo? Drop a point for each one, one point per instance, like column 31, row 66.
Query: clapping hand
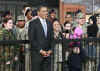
column 45, row 53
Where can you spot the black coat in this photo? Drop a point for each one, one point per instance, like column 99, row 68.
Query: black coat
column 92, row 30
column 39, row 42
column 75, row 60
column 37, row 37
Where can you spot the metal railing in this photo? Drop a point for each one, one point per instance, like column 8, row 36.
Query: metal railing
column 12, row 55
column 91, row 50
column 13, row 52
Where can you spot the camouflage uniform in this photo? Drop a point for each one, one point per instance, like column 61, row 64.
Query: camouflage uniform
column 20, row 33
column 7, row 51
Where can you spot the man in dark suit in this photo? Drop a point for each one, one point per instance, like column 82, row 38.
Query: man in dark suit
column 41, row 36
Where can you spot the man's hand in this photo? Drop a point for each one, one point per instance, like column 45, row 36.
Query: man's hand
column 76, row 50
column 44, row 53
column 49, row 53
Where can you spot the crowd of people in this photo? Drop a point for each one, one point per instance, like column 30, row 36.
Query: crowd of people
column 78, row 28
column 41, row 28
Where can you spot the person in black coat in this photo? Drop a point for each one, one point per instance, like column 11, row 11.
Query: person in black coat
column 41, row 36
column 92, row 28
column 76, row 57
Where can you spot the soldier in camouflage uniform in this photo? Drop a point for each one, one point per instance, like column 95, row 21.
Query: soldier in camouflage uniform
column 20, row 30
column 7, row 52
column 21, row 35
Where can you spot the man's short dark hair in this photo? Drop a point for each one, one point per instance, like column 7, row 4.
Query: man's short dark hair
column 66, row 22
column 38, row 9
column 52, row 11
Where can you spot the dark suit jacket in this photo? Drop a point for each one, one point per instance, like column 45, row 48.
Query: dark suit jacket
column 37, row 37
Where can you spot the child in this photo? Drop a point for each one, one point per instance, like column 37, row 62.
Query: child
column 76, row 57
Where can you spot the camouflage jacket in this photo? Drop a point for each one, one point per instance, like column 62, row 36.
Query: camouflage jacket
column 8, row 51
column 7, row 34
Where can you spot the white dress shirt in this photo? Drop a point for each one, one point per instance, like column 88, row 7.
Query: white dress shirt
column 44, row 25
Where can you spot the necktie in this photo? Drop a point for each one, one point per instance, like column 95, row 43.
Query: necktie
column 45, row 27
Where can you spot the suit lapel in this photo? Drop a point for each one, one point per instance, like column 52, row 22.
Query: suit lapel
column 47, row 27
column 41, row 28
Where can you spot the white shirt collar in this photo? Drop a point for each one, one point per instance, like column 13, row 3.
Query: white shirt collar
column 41, row 19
